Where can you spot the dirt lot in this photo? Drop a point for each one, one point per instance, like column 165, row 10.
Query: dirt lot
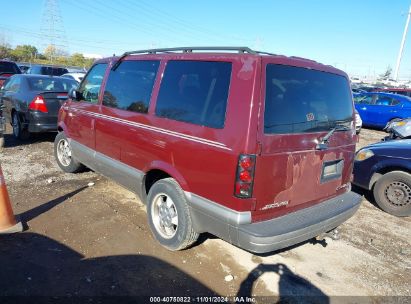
column 94, row 241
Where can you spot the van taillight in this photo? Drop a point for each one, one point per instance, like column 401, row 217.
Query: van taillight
column 38, row 104
column 245, row 176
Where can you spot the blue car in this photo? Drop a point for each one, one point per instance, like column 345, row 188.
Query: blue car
column 377, row 109
column 385, row 168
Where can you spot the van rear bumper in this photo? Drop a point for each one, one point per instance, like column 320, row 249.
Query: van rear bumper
column 284, row 231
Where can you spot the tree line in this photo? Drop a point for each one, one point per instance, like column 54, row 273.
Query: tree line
column 51, row 55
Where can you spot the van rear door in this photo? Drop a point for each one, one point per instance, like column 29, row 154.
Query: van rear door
column 300, row 107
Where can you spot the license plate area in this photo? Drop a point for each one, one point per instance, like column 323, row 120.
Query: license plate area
column 332, row 170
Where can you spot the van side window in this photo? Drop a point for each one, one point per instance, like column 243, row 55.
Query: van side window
column 129, row 87
column 90, row 87
column 195, row 92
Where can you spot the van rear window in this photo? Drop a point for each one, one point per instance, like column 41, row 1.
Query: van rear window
column 195, row 92
column 300, row 100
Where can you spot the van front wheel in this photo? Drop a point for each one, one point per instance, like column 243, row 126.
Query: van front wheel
column 62, row 154
column 169, row 216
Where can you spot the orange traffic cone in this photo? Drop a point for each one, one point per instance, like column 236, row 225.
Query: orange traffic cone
column 8, row 223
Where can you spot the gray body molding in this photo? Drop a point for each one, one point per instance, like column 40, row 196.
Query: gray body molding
column 274, row 234
column 230, row 225
column 127, row 176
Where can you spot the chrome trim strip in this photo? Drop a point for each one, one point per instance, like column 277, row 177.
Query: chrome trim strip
column 151, row 128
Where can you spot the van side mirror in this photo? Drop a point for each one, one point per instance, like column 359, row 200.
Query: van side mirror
column 74, row 94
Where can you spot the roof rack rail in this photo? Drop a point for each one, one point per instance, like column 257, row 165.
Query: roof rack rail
column 186, row 50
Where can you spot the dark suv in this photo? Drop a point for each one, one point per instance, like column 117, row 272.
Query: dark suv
column 252, row 147
column 47, row 70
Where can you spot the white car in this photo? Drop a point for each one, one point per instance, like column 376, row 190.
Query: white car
column 76, row 76
column 358, row 122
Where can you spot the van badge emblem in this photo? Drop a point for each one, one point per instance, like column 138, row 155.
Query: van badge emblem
column 275, row 205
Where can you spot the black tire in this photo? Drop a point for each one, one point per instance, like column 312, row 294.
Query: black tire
column 392, row 192
column 19, row 132
column 184, row 233
column 69, row 165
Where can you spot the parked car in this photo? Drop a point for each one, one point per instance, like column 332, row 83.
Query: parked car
column 398, row 129
column 7, row 69
column 75, row 76
column 23, row 68
column 31, row 102
column 358, row 122
column 47, row 70
column 377, row 109
column 190, row 133
column 385, row 169
column 400, row 91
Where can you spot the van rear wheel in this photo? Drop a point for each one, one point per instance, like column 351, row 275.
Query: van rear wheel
column 169, row 216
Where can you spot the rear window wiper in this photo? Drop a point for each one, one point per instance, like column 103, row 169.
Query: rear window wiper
column 323, row 144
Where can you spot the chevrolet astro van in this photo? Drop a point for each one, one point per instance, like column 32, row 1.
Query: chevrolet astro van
column 252, row 147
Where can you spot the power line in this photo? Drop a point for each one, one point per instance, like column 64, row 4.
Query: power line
column 110, row 17
column 158, row 25
column 166, row 16
column 37, row 35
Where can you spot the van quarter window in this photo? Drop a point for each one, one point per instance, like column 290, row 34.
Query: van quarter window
column 300, row 100
column 129, row 86
column 195, row 92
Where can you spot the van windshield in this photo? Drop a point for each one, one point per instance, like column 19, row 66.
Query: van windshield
column 300, row 100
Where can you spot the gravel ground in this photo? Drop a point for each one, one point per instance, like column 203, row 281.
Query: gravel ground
column 94, row 241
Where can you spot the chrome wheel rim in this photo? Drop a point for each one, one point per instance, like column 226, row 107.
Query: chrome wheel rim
column 64, row 152
column 398, row 194
column 16, row 126
column 164, row 215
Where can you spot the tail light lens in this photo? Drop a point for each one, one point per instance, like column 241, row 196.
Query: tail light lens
column 245, row 176
column 38, row 104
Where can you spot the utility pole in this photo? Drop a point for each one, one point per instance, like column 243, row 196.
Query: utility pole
column 397, row 67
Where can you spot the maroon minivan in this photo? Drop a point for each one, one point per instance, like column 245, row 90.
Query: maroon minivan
column 252, row 147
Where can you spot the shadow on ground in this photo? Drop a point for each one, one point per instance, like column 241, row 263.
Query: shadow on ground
column 10, row 141
column 367, row 194
column 33, row 265
column 292, row 288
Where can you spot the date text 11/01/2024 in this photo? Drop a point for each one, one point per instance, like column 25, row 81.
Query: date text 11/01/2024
column 201, row 299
